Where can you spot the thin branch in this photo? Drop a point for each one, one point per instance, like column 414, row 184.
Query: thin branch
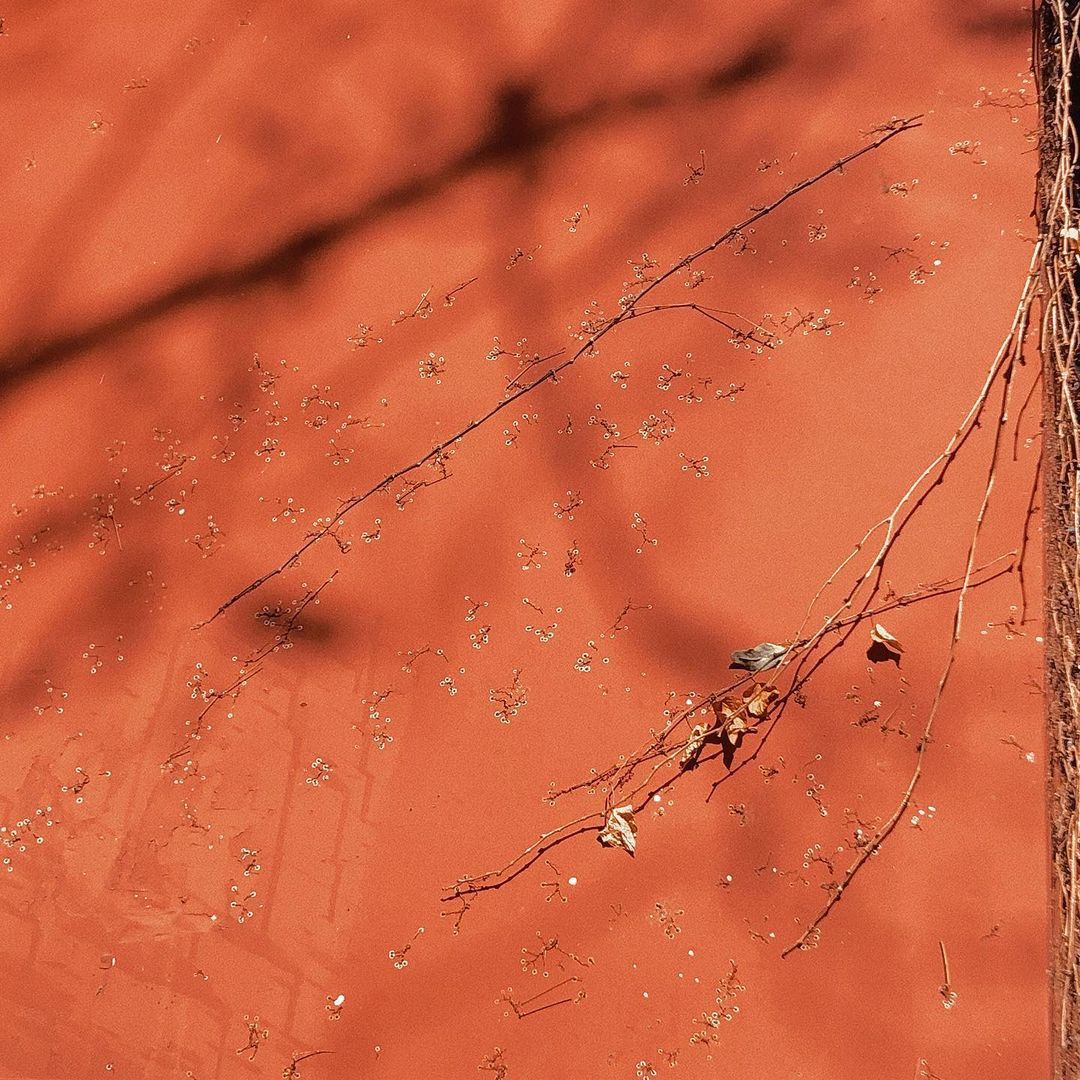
column 1007, row 357
column 894, row 129
column 618, row 775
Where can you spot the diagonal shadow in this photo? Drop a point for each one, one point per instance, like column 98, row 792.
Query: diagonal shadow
column 516, row 128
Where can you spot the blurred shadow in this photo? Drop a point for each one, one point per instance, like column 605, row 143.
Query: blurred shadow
column 516, row 128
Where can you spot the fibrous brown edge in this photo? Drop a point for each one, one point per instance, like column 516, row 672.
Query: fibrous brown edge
column 1057, row 71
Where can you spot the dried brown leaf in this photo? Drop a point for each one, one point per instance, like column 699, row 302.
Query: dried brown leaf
column 727, row 708
column 758, row 698
column 620, row 830
column 736, row 727
column 731, row 719
column 698, row 735
column 880, row 636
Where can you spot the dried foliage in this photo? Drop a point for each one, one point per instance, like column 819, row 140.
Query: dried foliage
column 772, row 675
column 620, row 830
column 746, row 708
column 1057, row 67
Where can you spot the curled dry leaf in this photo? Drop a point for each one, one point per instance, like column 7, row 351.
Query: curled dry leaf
column 698, row 734
column 732, row 725
column 736, row 728
column 620, row 830
column 759, row 658
column 731, row 718
column 758, row 698
column 880, row 636
column 725, row 709
column 736, row 717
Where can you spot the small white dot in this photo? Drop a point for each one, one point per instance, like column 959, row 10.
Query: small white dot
column 571, row 881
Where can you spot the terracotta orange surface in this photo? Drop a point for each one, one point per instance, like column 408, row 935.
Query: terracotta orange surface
column 261, row 256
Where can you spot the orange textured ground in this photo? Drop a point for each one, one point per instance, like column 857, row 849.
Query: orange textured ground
column 213, row 218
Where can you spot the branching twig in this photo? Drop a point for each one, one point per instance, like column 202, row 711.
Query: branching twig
column 628, row 312
column 1007, row 357
column 661, row 753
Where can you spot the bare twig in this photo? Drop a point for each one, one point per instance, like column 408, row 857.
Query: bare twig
column 1008, row 355
column 628, row 312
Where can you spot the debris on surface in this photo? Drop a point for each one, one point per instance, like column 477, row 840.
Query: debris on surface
column 759, row 658
column 620, row 829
